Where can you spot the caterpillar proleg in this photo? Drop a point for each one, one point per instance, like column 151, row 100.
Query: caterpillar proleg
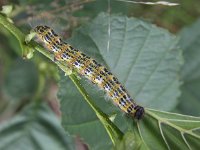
column 90, row 69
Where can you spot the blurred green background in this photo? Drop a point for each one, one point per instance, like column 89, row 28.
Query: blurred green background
column 22, row 80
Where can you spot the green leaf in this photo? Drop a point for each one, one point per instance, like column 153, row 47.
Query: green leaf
column 21, row 80
column 144, row 57
column 165, row 130
column 34, row 128
column 190, row 43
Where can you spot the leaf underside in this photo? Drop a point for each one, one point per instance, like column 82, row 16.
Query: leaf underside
column 165, row 130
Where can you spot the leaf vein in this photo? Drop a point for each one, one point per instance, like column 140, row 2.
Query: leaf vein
column 138, row 54
column 122, row 47
column 162, row 134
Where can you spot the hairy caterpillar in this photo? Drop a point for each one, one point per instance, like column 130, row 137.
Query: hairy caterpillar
column 89, row 68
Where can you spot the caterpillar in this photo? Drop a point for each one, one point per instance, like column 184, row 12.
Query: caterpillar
column 90, row 69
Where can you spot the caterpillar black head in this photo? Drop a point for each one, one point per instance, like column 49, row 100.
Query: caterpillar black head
column 139, row 112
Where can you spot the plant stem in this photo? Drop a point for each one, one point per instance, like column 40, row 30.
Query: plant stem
column 4, row 21
column 114, row 132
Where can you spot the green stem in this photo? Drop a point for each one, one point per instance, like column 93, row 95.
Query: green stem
column 4, row 21
column 114, row 132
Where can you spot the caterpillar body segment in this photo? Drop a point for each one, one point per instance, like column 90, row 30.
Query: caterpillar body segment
column 91, row 69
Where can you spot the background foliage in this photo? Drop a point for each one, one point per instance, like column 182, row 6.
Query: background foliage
column 159, row 69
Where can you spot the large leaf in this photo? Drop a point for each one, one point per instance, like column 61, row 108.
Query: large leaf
column 144, row 57
column 34, row 128
column 190, row 43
